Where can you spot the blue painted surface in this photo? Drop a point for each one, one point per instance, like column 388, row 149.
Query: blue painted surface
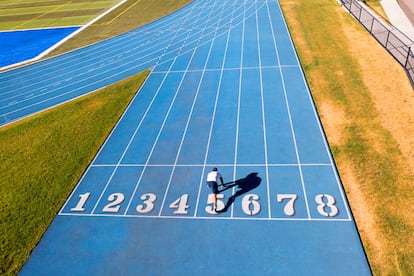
column 225, row 97
column 18, row 46
column 217, row 247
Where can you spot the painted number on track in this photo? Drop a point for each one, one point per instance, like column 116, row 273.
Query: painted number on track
column 250, row 204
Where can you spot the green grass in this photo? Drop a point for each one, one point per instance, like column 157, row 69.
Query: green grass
column 49, row 8
column 41, row 14
column 43, row 157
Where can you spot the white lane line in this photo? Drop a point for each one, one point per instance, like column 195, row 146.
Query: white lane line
column 290, row 118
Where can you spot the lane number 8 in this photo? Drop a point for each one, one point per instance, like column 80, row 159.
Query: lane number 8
column 328, row 208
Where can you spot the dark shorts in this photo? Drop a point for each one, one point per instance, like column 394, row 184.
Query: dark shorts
column 214, row 187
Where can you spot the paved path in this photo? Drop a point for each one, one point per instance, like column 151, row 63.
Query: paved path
column 408, row 8
column 401, row 15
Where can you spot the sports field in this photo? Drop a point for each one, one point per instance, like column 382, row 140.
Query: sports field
column 226, row 90
column 32, row 14
column 370, row 145
column 29, row 29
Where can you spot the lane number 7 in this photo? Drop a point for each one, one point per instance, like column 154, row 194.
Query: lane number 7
column 289, row 209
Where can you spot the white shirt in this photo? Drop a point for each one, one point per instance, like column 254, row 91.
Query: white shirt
column 213, row 176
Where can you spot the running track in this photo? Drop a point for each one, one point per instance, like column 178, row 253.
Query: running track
column 226, row 90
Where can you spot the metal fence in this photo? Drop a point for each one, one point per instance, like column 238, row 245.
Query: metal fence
column 396, row 42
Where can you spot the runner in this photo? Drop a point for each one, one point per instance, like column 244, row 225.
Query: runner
column 212, row 179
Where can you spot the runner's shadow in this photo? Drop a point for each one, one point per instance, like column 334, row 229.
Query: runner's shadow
column 244, row 185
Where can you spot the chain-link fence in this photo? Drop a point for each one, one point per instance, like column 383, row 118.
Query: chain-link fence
column 396, row 42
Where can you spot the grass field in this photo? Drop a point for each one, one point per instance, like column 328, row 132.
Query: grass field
column 29, row 14
column 43, row 158
column 363, row 96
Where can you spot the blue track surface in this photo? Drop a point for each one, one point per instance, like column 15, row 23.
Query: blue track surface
column 18, row 46
column 226, row 90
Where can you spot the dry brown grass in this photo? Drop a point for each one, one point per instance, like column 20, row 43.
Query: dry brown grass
column 366, row 105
